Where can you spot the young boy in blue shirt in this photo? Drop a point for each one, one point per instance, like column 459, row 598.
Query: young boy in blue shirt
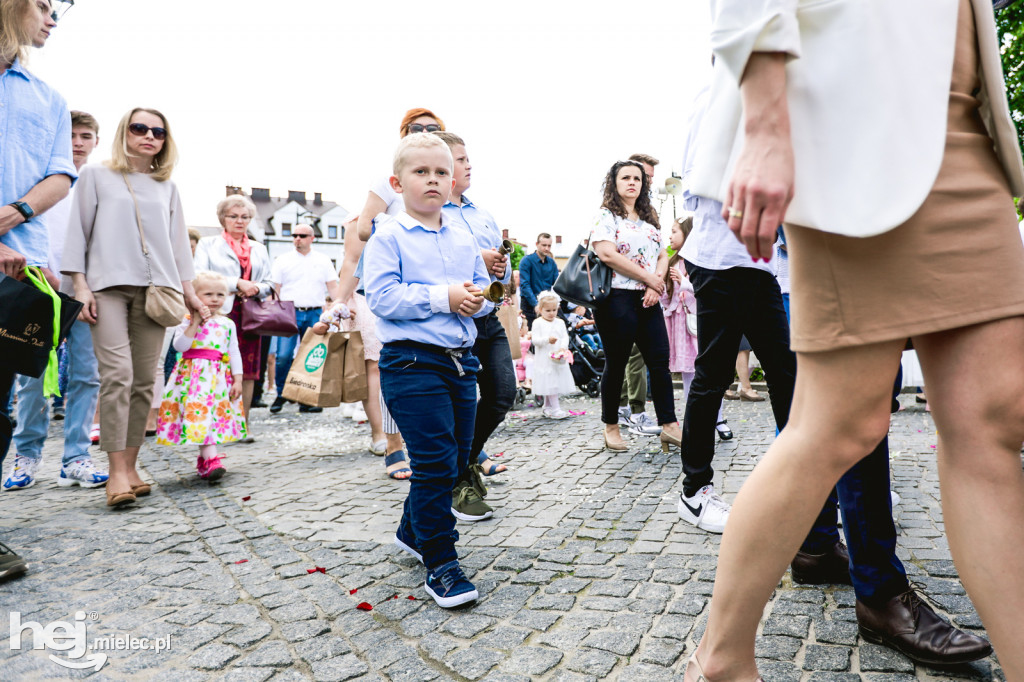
column 424, row 280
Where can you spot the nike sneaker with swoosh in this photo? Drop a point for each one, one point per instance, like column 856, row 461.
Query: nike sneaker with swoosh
column 705, row 510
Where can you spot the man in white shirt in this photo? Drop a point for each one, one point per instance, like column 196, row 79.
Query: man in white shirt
column 305, row 278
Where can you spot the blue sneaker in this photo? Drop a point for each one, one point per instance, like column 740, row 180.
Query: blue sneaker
column 24, row 474
column 449, row 586
column 81, row 472
column 407, row 544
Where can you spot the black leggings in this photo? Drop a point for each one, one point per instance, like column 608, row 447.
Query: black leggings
column 622, row 321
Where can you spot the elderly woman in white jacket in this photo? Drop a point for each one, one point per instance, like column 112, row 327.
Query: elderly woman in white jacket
column 246, row 265
column 879, row 133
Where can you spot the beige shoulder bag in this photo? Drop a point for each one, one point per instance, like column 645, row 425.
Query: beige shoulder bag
column 164, row 305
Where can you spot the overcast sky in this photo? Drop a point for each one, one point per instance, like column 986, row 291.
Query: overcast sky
column 308, row 96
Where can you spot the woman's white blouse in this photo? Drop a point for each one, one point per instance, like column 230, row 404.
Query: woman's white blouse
column 639, row 241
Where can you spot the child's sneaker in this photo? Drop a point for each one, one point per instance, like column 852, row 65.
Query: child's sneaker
column 81, row 472
column 211, row 469
column 449, row 586
column 24, row 474
column 408, row 544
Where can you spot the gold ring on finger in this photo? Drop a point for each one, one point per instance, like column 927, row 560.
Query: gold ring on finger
column 733, row 213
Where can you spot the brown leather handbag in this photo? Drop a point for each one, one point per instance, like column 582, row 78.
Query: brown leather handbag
column 269, row 316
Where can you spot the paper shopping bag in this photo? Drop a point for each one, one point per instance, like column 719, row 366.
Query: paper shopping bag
column 315, row 377
column 354, row 386
column 508, row 315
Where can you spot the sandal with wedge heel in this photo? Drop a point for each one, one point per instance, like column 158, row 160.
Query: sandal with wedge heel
column 701, row 677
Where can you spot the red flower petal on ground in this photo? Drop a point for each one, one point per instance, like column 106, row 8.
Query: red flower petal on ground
column 411, row 597
column 242, row 561
column 246, row 498
column 321, row 569
column 310, row 570
column 363, row 606
column 352, row 591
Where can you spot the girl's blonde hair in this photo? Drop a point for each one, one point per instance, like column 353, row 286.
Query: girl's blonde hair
column 207, row 279
column 547, row 297
column 163, row 162
column 13, row 38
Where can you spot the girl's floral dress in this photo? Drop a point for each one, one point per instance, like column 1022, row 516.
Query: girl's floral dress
column 196, row 408
column 638, row 241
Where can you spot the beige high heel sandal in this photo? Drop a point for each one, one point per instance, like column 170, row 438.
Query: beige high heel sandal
column 700, row 671
column 619, row 445
column 667, row 441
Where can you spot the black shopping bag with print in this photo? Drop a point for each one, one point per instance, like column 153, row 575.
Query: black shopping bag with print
column 28, row 311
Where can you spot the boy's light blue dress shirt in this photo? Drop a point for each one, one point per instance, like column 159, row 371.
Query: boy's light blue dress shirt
column 483, row 227
column 406, row 274
column 35, row 143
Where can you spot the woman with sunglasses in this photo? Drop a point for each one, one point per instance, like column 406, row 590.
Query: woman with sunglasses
column 627, row 239
column 104, row 257
column 385, row 438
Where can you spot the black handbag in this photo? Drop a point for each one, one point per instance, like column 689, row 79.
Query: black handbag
column 27, row 316
column 584, row 280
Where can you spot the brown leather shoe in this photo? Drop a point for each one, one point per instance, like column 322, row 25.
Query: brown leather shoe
column 830, row 568
column 908, row 624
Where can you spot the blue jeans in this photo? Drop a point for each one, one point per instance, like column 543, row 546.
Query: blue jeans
column 62, row 374
column 286, row 345
column 435, row 409
column 592, row 340
column 83, row 391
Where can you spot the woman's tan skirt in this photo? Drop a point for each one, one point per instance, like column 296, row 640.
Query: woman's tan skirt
column 958, row 261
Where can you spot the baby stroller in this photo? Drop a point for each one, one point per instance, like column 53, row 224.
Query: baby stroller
column 586, row 364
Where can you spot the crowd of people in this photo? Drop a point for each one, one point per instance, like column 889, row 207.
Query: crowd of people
column 420, row 256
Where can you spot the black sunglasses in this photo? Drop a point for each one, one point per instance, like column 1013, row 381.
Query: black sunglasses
column 420, row 128
column 141, row 129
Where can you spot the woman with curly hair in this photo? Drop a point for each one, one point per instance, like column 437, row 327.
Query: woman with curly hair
column 626, row 238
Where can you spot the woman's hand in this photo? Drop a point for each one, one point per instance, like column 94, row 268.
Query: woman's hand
column 247, row 289
column 88, row 301
column 762, row 182
column 651, row 297
column 654, row 282
column 197, row 307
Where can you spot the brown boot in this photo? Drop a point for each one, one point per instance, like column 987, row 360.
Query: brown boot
column 909, row 625
column 830, row 568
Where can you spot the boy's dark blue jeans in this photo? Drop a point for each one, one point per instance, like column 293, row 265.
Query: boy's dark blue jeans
column 435, row 409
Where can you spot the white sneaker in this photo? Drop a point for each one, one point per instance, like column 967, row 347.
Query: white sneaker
column 895, row 497
column 359, row 414
column 706, row 510
column 81, row 472
column 347, row 409
column 555, row 414
column 624, row 417
column 23, row 475
column 642, row 425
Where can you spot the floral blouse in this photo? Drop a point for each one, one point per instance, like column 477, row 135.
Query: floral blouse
column 639, row 241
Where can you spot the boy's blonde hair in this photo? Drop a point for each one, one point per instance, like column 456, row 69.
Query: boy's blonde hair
column 450, row 139
column 547, row 297
column 418, row 141
column 207, row 279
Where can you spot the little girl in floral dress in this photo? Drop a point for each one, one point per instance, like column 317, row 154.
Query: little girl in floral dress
column 202, row 402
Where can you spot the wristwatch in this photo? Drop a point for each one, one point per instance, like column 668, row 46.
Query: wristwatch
column 24, row 209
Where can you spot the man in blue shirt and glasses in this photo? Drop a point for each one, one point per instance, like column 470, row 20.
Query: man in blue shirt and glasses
column 36, row 171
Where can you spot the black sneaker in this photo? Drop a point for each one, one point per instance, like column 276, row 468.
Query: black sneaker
column 309, row 409
column 258, row 403
column 11, row 565
column 58, row 413
column 278, row 405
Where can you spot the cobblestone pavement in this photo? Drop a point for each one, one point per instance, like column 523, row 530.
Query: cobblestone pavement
column 585, row 572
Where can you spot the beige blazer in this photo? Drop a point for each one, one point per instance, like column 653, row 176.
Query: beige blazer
column 868, row 92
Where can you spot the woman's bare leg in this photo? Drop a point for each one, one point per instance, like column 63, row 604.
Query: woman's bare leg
column 743, row 370
column 839, row 414
column 982, row 484
column 372, row 403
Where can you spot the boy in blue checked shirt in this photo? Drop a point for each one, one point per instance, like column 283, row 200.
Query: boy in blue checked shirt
column 424, row 281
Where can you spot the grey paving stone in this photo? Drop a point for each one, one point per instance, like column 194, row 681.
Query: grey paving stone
column 827, row 658
column 213, row 657
column 304, row 630
column 566, row 586
column 663, row 652
column 338, row 669
column 245, row 637
column 777, row 648
column 875, row 658
column 792, row 626
column 246, row 675
column 322, row 648
column 835, row 632
column 241, row 614
column 593, row 662
column 505, row 601
column 535, row 620
column 438, row 646
column 422, row 622
column 532, row 660
column 778, row 671
column 411, row 669
column 643, row 672
column 473, row 663
column 272, row 654
column 621, row 643
column 468, row 625
column 504, row 638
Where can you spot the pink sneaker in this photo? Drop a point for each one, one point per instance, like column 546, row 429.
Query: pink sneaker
column 211, row 469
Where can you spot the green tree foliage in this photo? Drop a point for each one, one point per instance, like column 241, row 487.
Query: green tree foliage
column 517, row 255
column 1010, row 27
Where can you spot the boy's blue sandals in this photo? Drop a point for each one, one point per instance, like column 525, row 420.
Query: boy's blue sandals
column 449, row 586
